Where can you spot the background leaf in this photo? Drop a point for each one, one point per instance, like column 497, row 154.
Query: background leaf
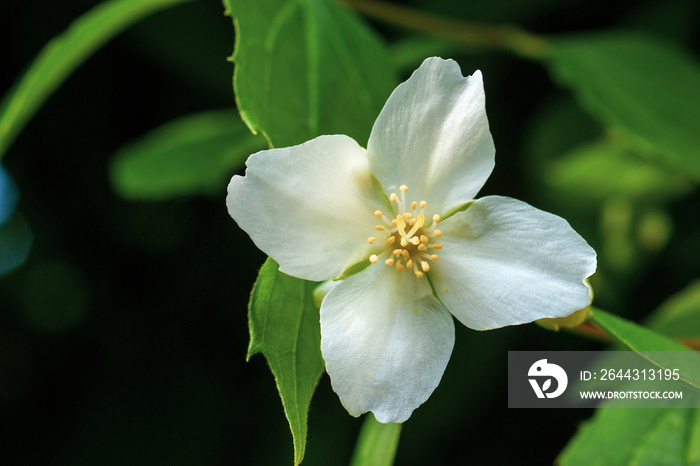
column 609, row 168
column 644, row 87
column 621, row 437
column 377, row 443
column 63, row 55
column 196, row 154
column 679, row 315
column 306, row 68
column 284, row 327
column 656, row 348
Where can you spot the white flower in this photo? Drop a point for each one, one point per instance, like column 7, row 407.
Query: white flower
column 405, row 207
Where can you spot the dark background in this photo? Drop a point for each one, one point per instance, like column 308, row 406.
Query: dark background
column 123, row 337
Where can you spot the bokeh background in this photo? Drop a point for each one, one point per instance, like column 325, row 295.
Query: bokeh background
column 123, row 336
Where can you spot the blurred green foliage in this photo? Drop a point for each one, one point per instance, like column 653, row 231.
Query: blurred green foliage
column 123, row 338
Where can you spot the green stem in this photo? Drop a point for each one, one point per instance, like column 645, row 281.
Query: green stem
column 376, row 444
column 63, row 54
column 511, row 38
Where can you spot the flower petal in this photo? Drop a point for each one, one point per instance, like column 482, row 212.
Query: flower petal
column 504, row 262
column 386, row 341
column 433, row 136
column 310, row 207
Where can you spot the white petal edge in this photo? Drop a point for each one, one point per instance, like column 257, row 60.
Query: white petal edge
column 505, row 262
column 310, row 207
column 433, row 136
column 386, row 341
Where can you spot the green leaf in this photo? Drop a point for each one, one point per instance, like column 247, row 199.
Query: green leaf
column 608, row 168
column 284, row 327
column 656, row 348
column 192, row 155
column 647, row 89
column 621, row 437
column 679, row 316
column 306, row 68
column 377, row 443
column 65, row 53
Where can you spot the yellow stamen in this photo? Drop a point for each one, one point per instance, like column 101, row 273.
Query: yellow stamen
column 437, row 233
column 401, row 225
column 380, row 228
column 404, row 243
column 412, row 222
column 409, row 264
column 405, row 254
column 397, row 252
column 399, row 267
column 420, row 221
column 424, row 239
column 414, row 205
column 423, row 204
column 403, row 188
column 373, row 258
column 419, row 274
column 391, row 240
column 421, row 247
column 434, row 257
column 378, row 213
column 389, row 262
column 415, row 241
column 425, row 266
column 437, row 246
column 371, row 240
column 436, row 218
column 393, row 197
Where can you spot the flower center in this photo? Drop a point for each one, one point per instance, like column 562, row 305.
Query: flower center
column 410, row 244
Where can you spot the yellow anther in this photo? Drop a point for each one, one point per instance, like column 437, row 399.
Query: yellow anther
column 434, row 257
column 393, row 222
column 404, row 243
column 437, row 233
column 401, row 225
column 389, row 262
column 423, row 204
column 378, row 213
column 380, row 228
column 415, row 241
column 407, row 215
column 399, row 267
column 436, row 218
column 412, row 222
column 391, row 240
column 421, row 247
column 405, row 254
column 373, row 258
column 419, row 274
column 393, row 197
column 403, row 188
column 424, row 239
column 397, row 252
column 425, row 266
column 371, row 240
column 409, row 264
column 437, row 246
column 414, row 205
column 420, row 221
